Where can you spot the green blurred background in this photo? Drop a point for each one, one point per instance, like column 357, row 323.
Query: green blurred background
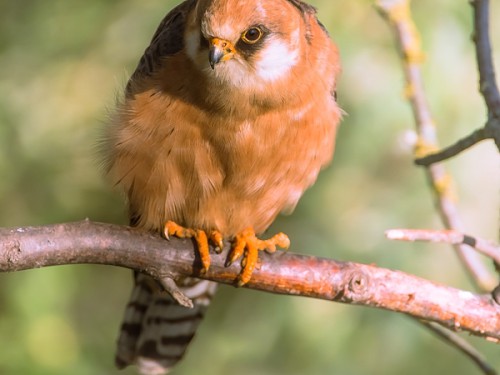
column 64, row 62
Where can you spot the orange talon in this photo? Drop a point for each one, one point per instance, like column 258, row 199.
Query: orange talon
column 238, row 248
column 251, row 256
column 174, row 229
column 216, row 239
column 202, row 242
column 248, row 244
column 200, row 236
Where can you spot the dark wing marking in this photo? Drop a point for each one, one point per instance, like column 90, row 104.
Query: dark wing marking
column 303, row 7
column 323, row 27
column 305, row 10
column 167, row 40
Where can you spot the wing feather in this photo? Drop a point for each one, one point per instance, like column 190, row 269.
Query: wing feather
column 167, row 40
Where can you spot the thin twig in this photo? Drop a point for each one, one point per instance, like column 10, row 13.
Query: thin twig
column 451, row 237
column 462, row 345
column 281, row 272
column 456, row 148
column 399, row 15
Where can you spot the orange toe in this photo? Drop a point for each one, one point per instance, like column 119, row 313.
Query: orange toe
column 201, row 238
column 174, row 229
column 246, row 244
column 202, row 242
column 217, row 239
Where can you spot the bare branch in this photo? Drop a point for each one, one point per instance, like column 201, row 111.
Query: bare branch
column 487, row 86
column 281, row 272
column 487, row 80
column 451, row 237
column 398, row 13
column 462, row 345
column 456, row 148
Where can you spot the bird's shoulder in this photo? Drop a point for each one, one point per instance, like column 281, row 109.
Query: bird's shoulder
column 167, row 40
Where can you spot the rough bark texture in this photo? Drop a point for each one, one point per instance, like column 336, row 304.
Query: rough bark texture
column 281, row 272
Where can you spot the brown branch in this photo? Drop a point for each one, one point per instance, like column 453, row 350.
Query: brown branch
column 282, row 272
column 451, row 237
column 398, row 13
column 487, row 81
column 456, row 148
column 462, row 345
column 487, row 86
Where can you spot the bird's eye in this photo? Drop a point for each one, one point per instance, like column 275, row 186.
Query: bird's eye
column 252, row 35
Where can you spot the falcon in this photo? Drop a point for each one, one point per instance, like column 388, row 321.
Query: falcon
column 226, row 121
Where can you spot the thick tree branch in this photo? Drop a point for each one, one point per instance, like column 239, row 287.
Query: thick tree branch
column 282, row 272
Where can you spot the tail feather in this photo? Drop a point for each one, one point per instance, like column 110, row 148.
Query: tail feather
column 156, row 330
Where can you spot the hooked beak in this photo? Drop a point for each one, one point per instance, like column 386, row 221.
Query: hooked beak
column 219, row 50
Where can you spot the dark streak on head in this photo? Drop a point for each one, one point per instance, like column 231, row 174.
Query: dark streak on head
column 305, row 11
column 304, row 8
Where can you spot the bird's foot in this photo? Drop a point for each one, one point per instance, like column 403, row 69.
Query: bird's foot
column 201, row 238
column 247, row 244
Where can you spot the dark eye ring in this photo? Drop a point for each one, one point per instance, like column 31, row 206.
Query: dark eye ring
column 252, row 35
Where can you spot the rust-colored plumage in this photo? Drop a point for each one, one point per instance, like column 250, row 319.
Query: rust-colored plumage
column 226, row 121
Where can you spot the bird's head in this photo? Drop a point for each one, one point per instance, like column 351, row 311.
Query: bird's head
column 244, row 43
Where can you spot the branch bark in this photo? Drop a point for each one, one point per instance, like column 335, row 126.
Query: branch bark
column 487, row 80
column 452, row 237
column 281, row 272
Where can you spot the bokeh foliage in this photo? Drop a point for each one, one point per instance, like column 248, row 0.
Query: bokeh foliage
column 64, row 62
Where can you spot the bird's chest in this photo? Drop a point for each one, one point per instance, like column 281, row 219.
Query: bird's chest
column 257, row 154
column 221, row 172
column 265, row 165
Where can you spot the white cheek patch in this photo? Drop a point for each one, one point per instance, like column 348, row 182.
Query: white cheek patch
column 276, row 60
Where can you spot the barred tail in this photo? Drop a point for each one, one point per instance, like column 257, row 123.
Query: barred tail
column 156, row 331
